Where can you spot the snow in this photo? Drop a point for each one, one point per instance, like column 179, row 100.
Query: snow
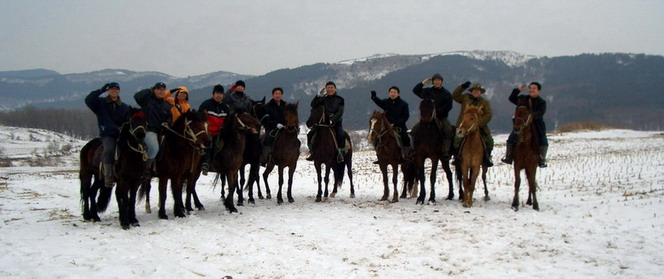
column 601, row 217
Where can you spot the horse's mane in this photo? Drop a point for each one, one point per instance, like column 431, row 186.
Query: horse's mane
column 473, row 109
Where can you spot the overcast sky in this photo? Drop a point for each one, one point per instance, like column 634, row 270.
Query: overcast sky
column 184, row 38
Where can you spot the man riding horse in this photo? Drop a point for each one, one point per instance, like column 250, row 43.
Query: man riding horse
column 217, row 111
column 474, row 99
column 111, row 113
column 158, row 114
column 443, row 102
column 397, row 113
column 273, row 122
column 334, row 112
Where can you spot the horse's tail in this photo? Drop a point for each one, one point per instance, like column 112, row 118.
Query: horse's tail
column 104, row 198
column 144, row 189
column 339, row 171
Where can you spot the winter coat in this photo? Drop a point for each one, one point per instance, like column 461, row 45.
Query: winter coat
column 538, row 104
column 276, row 114
column 157, row 111
column 396, row 110
column 334, row 107
column 216, row 115
column 178, row 108
column 110, row 114
column 467, row 100
column 238, row 101
column 441, row 97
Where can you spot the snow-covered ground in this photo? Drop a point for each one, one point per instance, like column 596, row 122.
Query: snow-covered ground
column 601, row 216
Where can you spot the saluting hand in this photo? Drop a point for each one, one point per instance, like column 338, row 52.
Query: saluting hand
column 427, row 81
column 105, row 87
column 465, row 85
column 522, row 87
column 373, row 94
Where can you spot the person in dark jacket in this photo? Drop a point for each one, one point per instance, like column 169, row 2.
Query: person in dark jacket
column 397, row 113
column 538, row 107
column 443, row 102
column 334, row 108
column 111, row 114
column 157, row 112
column 237, row 99
column 217, row 111
column 275, row 110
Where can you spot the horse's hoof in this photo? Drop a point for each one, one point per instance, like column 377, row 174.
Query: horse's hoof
column 260, row 197
column 487, row 198
column 394, row 200
column 251, row 201
column 96, row 219
column 318, row 199
column 135, row 224
column 449, row 198
column 333, row 195
column 280, row 201
column 181, row 215
column 515, row 208
column 352, row 196
column 383, row 199
column 536, row 207
column 269, row 197
column 163, row 216
column 125, row 226
column 431, row 202
column 201, row 208
column 240, row 203
column 291, row 200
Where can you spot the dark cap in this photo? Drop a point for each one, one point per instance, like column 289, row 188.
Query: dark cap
column 113, row 85
column 436, row 76
column 218, row 89
column 240, row 83
column 159, row 85
column 330, row 83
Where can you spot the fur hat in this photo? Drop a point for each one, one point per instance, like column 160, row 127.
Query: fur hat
column 476, row 86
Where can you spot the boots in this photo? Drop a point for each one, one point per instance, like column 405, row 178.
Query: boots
column 542, row 156
column 488, row 162
column 205, row 167
column 108, row 175
column 340, row 156
column 509, row 154
column 265, row 155
column 311, row 154
column 148, row 169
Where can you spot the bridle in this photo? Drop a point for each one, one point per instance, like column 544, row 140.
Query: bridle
column 140, row 148
column 379, row 133
column 464, row 132
column 524, row 123
column 189, row 134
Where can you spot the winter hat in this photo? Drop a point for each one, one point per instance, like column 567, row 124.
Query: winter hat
column 183, row 89
column 240, row 83
column 436, row 76
column 476, row 86
column 330, row 83
column 113, row 85
column 218, row 88
column 159, row 85
column 395, row 88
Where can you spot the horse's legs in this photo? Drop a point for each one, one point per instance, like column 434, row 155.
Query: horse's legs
column 122, row 197
column 459, row 176
column 176, row 189
column 94, row 189
column 163, row 186
column 474, row 172
column 317, row 166
column 386, row 187
column 434, row 168
column 517, row 182
column 268, row 169
column 395, row 173
column 239, row 187
column 486, row 190
column 232, row 185
column 191, row 188
column 450, row 178
column 349, row 167
column 291, row 171
column 280, row 170
column 223, row 178
column 132, row 201
column 255, row 177
column 85, row 195
column 420, row 178
column 327, row 181
column 147, row 185
column 531, row 173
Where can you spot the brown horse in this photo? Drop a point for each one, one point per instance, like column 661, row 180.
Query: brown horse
column 471, row 153
column 382, row 137
column 90, row 171
column 227, row 162
column 180, row 153
column 427, row 143
column 286, row 152
column 324, row 151
column 526, row 155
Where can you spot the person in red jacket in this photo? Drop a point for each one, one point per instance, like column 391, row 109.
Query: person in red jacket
column 217, row 111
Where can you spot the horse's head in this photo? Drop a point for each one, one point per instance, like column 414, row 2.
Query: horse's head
column 522, row 118
column 137, row 125
column 427, row 110
column 317, row 116
column 193, row 127
column 377, row 125
column 244, row 122
column 290, row 115
column 258, row 109
column 470, row 123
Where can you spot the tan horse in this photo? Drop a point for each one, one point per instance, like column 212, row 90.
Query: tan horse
column 471, row 153
column 526, row 155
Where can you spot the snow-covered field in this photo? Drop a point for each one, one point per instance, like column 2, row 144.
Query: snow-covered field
column 601, row 216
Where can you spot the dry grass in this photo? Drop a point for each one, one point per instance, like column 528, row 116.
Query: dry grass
column 582, row 126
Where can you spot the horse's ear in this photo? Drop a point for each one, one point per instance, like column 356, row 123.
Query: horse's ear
column 297, row 104
column 263, row 101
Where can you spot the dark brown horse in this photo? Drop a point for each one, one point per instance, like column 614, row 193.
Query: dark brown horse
column 471, row 153
column 427, row 143
column 286, row 152
column 92, row 181
column 383, row 138
column 180, row 154
column 324, row 151
column 227, row 162
column 252, row 156
column 526, row 155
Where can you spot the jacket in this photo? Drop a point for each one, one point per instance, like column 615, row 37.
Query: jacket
column 538, row 104
column 110, row 115
column 216, row 115
column 441, row 97
column 466, row 100
column 276, row 113
column 396, row 110
column 238, row 101
column 157, row 111
column 178, row 108
column 334, row 107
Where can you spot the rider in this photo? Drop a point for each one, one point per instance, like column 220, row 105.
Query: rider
column 157, row 113
column 275, row 110
column 474, row 99
column 443, row 102
column 217, row 111
column 538, row 107
column 180, row 101
column 397, row 113
column 111, row 113
column 334, row 108
column 237, row 99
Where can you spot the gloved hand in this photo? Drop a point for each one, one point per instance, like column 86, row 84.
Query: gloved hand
column 465, row 85
column 280, row 126
column 373, row 94
column 522, row 87
column 331, row 123
column 322, row 93
column 105, row 87
column 427, row 81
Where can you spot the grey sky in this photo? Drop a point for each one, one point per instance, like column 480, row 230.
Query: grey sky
column 185, row 38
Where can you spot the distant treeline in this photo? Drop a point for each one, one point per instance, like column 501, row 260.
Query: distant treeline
column 78, row 123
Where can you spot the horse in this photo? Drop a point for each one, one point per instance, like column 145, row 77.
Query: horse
column 285, row 152
column 471, row 153
column 526, row 155
column 130, row 166
column 383, row 138
column 427, row 143
column 90, row 171
column 227, row 162
column 324, row 151
column 180, row 153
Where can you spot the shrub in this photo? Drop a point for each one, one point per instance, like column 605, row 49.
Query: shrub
column 582, row 126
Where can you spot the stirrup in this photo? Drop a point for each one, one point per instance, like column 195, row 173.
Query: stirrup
column 506, row 160
column 205, row 168
column 340, row 157
column 542, row 164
